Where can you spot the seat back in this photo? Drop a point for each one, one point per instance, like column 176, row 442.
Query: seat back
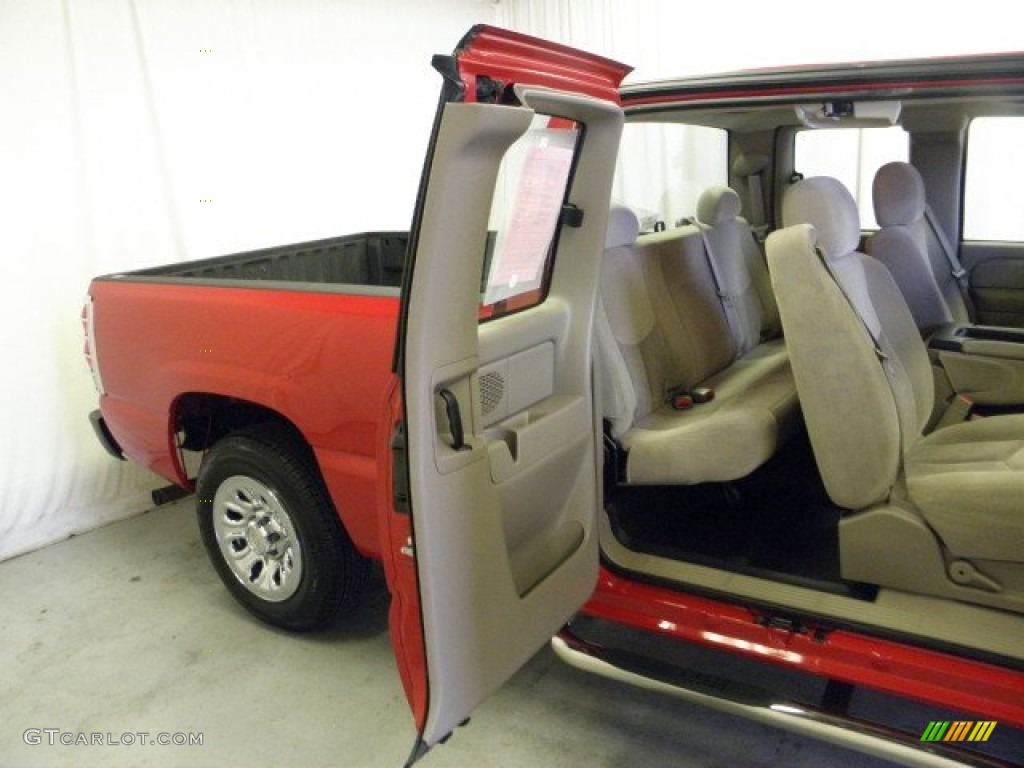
column 660, row 325
column 633, row 359
column 740, row 267
column 906, row 244
column 860, row 366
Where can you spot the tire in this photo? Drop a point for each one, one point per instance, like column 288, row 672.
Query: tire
column 272, row 533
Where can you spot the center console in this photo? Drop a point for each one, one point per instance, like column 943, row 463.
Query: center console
column 983, row 362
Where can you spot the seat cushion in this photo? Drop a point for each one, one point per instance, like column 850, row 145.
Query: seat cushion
column 967, row 481
column 754, row 408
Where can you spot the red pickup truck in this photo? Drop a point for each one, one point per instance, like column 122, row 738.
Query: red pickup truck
column 277, row 364
column 547, row 415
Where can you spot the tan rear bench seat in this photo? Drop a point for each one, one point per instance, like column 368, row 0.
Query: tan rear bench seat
column 661, row 326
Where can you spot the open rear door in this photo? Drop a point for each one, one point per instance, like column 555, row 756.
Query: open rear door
column 491, row 539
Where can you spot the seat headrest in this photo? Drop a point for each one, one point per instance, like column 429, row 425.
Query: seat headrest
column 828, row 206
column 749, row 164
column 898, row 195
column 623, row 226
column 718, row 204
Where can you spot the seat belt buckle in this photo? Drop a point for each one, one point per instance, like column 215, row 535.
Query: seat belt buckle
column 957, row 412
column 702, row 394
column 680, row 402
column 963, row 404
column 678, row 399
column 684, row 399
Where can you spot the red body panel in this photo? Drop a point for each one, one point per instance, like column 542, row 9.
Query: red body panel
column 905, row 670
column 321, row 360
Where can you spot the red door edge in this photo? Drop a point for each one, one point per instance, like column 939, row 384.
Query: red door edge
column 404, row 621
column 929, row 676
column 512, row 57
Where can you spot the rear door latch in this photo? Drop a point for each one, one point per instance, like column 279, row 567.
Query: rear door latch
column 400, row 469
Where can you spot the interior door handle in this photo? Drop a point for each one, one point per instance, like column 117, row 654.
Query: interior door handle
column 451, row 409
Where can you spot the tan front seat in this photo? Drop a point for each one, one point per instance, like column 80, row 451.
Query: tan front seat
column 941, row 513
column 910, row 248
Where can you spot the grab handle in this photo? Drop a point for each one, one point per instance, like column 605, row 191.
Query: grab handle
column 451, row 409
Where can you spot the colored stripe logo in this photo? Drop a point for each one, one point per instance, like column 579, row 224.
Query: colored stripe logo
column 959, row 730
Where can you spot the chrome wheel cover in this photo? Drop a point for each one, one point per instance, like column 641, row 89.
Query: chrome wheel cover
column 257, row 538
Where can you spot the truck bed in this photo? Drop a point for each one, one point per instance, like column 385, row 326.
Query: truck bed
column 304, row 333
column 368, row 259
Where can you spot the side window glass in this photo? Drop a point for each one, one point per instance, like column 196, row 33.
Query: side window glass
column 532, row 184
column 664, row 167
column 852, row 155
column 993, row 194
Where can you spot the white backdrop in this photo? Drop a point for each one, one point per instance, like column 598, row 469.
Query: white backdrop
column 295, row 119
column 298, row 119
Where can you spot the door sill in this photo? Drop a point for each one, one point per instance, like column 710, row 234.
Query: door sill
column 934, row 622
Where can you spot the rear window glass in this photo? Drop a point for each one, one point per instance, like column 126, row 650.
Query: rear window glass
column 664, row 167
column 993, row 193
column 852, row 155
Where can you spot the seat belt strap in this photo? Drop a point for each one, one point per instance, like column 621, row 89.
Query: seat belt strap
column 755, row 191
column 883, row 358
column 875, row 341
column 727, row 299
column 955, row 267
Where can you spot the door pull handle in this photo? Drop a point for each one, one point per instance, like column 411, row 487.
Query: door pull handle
column 451, row 409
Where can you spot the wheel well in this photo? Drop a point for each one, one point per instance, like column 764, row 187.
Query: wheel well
column 201, row 419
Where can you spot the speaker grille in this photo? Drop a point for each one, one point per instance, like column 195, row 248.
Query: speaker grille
column 492, row 391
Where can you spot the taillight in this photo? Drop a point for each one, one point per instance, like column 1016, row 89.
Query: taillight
column 89, row 348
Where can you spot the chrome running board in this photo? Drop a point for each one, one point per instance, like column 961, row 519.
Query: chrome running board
column 760, row 706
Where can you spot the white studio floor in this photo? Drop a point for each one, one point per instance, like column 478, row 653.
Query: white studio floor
column 126, row 630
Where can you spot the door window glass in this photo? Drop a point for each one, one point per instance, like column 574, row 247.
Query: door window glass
column 523, row 226
column 993, row 193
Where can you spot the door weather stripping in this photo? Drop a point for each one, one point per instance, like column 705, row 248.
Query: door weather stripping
column 759, row 705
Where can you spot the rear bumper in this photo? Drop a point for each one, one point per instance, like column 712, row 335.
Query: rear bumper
column 99, row 426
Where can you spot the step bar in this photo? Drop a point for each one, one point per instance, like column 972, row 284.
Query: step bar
column 761, row 706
